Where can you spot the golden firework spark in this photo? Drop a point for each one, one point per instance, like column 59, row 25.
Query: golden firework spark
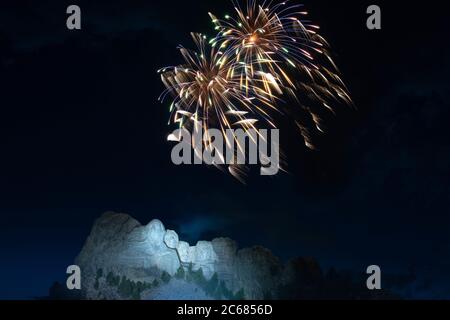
column 207, row 94
column 268, row 58
column 279, row 51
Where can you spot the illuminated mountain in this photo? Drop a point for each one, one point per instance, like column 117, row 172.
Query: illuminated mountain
column 123, row 259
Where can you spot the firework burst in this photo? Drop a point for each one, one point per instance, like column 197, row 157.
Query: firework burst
column 280, row 52
column 268, row 58
column 207, row 94
column 205, row 89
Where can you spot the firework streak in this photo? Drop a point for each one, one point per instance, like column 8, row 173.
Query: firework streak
column 266, row 59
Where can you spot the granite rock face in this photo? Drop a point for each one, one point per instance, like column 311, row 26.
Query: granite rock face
column 119, row 241
column 171, row 239
column 122, row 259
column 257, row 270
column 226, row 250
column 120, row 244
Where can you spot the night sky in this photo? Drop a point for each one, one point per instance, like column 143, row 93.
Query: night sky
column 82, row 132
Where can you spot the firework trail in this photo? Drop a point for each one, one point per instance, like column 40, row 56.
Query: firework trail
column 279, row 51
column 267, row 59
column 206, row 94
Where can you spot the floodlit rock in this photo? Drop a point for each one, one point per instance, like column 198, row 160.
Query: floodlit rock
column 191, row 254
column 183, row 252
column 167, row 261
column 171, row 239
column 120, row 256
column 120, row 244
column 225, row 250
column 156, row 230
column 203, row 256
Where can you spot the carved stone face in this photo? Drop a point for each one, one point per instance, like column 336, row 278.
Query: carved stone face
column 156, row 231
column 171, row 239
column 183, row 252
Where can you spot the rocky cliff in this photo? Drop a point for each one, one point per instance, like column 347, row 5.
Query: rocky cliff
column 123, row 259
column 120, row 245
